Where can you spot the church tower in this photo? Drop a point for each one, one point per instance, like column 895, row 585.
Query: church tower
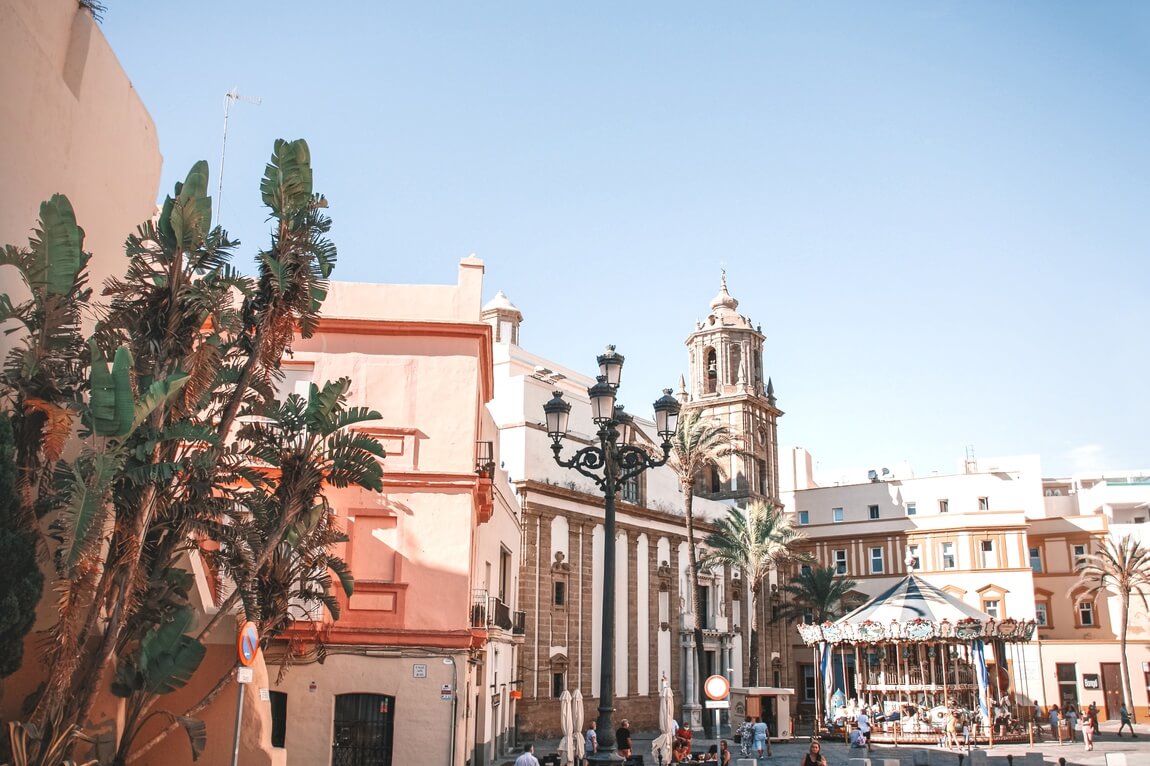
column 727, row 382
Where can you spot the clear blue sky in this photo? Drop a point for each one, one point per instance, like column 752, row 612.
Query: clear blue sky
column 939, row 212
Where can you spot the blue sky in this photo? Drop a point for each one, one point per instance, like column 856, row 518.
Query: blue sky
column 937, row 211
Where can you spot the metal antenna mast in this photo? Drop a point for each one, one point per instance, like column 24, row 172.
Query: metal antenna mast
column 229, row 98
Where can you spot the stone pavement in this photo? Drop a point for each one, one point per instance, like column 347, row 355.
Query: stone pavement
column 1136, row 751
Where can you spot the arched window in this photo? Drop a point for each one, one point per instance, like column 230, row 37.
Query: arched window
column 710, row 371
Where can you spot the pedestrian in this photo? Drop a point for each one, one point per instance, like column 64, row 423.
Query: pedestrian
column 745, row 736
column 863, row 722
column 1055, row 732
column 1088, row 730
column 1124, row 714
column 1092, row 711
column 528, row 758
column 592, row 741
column 762, row 740
column 724, row 753
column 814, row 756
column 952, row 728
column 1071, row 721
column 623, row 738
column 1036, row 715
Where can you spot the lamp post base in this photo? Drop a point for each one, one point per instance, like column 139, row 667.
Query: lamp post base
column 605, row 757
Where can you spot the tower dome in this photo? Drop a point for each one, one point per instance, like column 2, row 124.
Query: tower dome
column 724, row 300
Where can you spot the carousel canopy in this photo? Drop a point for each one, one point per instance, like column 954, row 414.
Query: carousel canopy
column 914, row 610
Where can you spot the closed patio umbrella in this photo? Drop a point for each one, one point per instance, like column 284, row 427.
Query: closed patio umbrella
column 577, row 725
column 662, row 745
column 567, row 742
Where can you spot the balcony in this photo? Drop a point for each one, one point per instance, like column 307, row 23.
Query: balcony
column 489, row 612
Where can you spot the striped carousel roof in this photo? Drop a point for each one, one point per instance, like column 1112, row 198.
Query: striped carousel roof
column 914, row 610
column 913, row 598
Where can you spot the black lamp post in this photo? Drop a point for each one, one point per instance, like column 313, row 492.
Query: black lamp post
column 609, row 464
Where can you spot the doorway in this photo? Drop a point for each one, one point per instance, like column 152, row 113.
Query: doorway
column 362, row 734
column 1112, row 688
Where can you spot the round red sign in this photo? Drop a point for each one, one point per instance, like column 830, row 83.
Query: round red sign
column 717, row 687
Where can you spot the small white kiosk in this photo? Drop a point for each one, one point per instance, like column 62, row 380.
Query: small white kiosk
column 771, row 703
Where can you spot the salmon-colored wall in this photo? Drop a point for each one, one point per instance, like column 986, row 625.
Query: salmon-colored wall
column 73, row 124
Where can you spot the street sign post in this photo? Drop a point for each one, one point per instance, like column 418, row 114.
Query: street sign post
column 247, row 647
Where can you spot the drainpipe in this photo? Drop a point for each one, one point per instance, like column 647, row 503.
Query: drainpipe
column 454, row 707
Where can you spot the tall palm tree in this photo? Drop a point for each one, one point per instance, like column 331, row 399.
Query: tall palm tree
column 1123, row 568
column 699, row 443
column 821, row 594
column 754, row 541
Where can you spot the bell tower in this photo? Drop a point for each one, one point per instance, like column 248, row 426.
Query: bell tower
column 725, row 354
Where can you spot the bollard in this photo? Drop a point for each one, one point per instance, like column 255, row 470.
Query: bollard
column 1010, row 759
column 1116, row 759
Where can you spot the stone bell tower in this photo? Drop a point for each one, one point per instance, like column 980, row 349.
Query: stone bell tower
column 727, row 382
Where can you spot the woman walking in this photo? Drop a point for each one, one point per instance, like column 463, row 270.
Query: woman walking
column 1088, row 730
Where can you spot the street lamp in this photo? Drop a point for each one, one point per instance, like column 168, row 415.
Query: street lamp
column 609, row 464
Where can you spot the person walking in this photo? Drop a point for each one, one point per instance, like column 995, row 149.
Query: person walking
column 1071, row 722
column 528, row 758
column 1092, row 711
column 1088, row 730
column 1055, row 732
column 1124, row 714
column 746, row 736
column 762, row 737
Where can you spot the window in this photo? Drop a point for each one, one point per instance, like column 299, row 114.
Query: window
column 990, row 606
column 558, row 684
column 1036, row 560
column 948, row 556
column 808, row 683
column 560, row 593
column 944, row 506
column 1086, row 614
column 761, row 470
column 988, row 560
column 984, row 503
column 630, row 490
column 876, row 562
column 872, row 510
column 704, row 615
column 1067, row 684
column 841, row 561
column 804, row 518
column 1042, row 613
column 911, row 509
column 1079, row 555
column 716, row 480
column 837, row 515
column 913, row 558
column 805, row 569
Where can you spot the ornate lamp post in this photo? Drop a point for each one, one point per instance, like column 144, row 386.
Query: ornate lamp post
column 609, row 464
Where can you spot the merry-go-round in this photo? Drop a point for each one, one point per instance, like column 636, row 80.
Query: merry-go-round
column 922, row 662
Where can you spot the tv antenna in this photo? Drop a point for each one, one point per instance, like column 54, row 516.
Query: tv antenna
column 230, row 98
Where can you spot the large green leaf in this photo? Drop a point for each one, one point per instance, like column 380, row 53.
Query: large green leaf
column 157, row 396
column 88, row 498
column 62, row 243
column 287, row 183
column 166, row 660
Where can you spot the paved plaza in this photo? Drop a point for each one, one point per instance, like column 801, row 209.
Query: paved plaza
column 1137, row 751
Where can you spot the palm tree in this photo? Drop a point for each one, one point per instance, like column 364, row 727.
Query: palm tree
column 698, row 443
column 821, row 594
column 754, row 542
column 1122, row 568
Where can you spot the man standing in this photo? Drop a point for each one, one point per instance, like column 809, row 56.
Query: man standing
column 623, row 739
column 592, row 741
column 528, row 758
column 863, row 722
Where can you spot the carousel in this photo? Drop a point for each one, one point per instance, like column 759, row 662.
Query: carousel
column 925, row 666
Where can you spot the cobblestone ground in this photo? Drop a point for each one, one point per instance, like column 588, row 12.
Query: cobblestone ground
column 1136, row 750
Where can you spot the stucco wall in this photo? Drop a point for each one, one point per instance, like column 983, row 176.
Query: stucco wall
column 73, row 124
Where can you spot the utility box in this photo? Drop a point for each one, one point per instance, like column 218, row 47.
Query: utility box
column 771, row 703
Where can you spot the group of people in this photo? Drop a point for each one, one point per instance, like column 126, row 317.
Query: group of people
column 1068, row 719
column 754, row 737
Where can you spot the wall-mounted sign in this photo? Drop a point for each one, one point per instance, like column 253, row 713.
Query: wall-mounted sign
column 1090, row 681
column 419, row 671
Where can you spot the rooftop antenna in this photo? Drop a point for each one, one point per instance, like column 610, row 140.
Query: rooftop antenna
column 229, row 98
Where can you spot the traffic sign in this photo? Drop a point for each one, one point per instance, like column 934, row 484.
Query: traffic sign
column 717, row 687
column 716, row 703
column 248, row 643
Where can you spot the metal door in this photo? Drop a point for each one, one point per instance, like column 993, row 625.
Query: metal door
column 363, row 730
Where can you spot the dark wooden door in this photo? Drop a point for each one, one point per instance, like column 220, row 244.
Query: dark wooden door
column 1112, row 688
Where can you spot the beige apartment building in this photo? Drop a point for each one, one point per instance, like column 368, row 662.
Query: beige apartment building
column 1003, row 540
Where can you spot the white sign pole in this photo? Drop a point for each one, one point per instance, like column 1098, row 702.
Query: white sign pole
column 239, row 714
